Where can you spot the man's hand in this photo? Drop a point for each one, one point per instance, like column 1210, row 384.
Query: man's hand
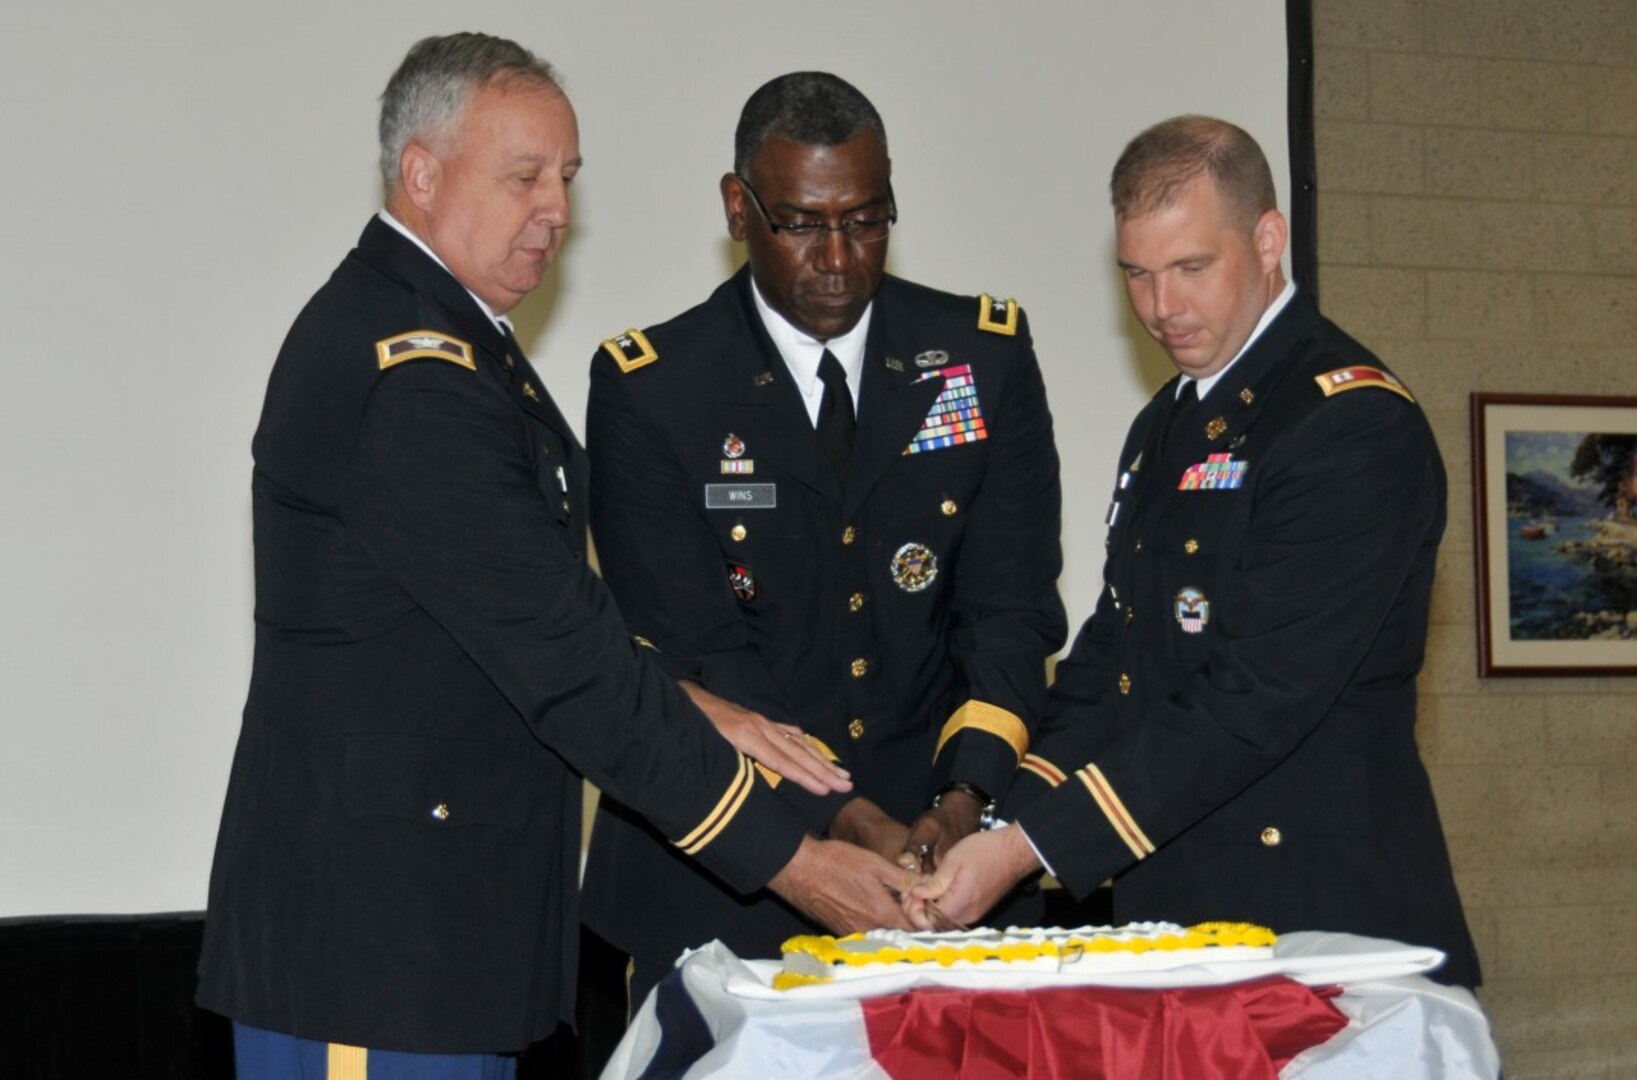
column 862, row 823
column 939, row 829
column 781, row 747
column 972, row 878
column 844, row 887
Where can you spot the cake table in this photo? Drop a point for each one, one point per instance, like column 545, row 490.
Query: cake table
column 1324, row 1007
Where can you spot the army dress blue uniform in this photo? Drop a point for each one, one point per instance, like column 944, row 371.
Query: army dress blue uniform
column 398, row 858
column 1233, row 730
column 902, row 619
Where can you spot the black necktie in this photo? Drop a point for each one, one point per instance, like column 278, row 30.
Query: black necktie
column 512, row 346
column 835, row 419
column 1186, row 405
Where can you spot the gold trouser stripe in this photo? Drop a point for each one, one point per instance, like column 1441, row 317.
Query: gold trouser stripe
column 348, row 1062
column 1118, row 816
column 982, row 716
column 1043, row 769
column 726, row 807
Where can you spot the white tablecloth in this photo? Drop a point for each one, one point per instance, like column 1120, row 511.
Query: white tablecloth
column 1401, row 1026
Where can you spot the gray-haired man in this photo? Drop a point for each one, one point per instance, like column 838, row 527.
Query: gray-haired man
column 395, row 876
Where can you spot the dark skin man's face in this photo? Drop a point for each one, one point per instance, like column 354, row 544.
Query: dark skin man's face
column 823, row 289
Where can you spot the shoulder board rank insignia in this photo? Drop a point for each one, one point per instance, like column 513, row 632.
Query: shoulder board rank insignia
column 631, row 350
column 1354, row 378
column 997, row 316
column 419, row 343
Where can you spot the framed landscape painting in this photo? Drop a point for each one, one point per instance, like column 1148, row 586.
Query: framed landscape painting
column 1555, row 508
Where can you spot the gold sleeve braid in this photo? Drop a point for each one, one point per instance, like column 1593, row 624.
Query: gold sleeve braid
column 982, row 716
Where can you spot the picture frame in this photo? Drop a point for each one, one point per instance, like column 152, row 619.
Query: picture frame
column 1554, row 484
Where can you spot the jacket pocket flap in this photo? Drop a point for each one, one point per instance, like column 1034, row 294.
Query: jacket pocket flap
column 444, row 783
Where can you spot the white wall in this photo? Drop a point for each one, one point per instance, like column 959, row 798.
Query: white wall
column 181, row 174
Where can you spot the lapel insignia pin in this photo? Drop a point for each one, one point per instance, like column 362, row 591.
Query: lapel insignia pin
column 1192, row 610
column 733, row 446
column 894, row 364
column 1247, row 395
column 530, row 392
column 932, row 358
column 1215, row 428
column 763, row 379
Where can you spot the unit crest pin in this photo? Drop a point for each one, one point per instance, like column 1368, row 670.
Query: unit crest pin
column 914, row 566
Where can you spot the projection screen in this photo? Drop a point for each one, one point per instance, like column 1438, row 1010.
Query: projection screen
column 183, row 174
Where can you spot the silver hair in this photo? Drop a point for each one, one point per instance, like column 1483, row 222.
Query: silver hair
column 430, row 89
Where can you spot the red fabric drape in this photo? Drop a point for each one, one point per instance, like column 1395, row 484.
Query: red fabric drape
column 1239, row 1031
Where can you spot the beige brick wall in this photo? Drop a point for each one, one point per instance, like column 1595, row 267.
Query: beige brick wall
column 1477, row 165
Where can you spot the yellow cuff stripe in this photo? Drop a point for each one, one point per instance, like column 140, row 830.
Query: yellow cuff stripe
column 982, row 716
column 348, row 1062
column 717, row 820
column 1043, row 769
column 1118, row 816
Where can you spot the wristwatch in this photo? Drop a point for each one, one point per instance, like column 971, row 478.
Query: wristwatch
column 986, row 805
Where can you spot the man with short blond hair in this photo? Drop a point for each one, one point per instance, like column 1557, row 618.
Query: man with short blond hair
column 1233, row 733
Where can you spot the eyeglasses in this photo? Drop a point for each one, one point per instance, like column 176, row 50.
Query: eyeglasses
column 805, row 234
